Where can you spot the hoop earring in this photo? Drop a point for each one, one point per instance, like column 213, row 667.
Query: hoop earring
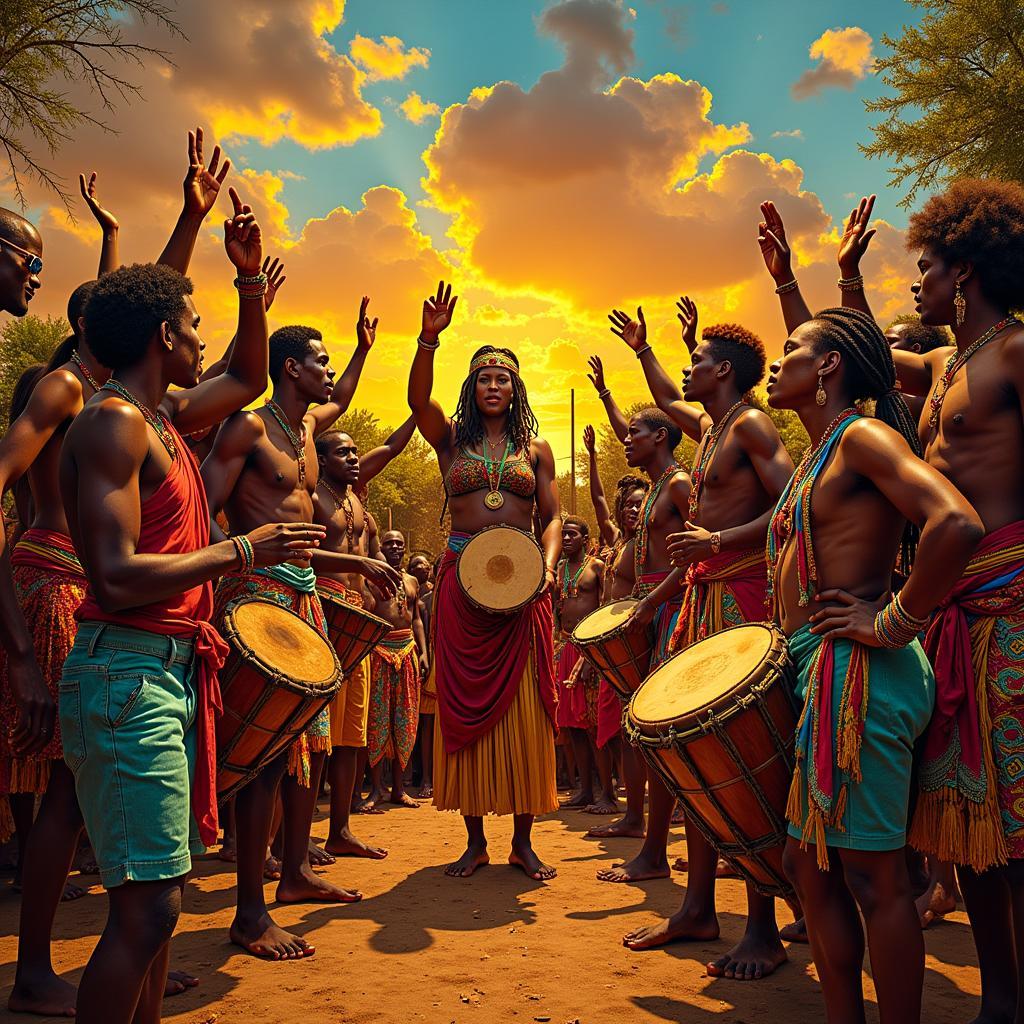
column 819, row 396
column 960, row 302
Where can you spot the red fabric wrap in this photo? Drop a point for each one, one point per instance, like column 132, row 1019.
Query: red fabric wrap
column 480, row 659
column 572, row 694
column 176, row 520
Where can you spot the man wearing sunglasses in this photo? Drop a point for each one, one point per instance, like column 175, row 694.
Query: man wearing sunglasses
column 21, row 262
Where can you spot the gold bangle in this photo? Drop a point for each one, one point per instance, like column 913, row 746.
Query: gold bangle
column 789, row 286
column 851, row 284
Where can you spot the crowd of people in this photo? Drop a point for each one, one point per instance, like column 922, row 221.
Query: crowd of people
column 149, row 500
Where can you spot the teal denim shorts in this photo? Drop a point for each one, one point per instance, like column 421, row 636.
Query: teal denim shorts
column 127, row 715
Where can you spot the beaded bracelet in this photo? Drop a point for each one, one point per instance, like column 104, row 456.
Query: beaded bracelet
column 246, row 555
column 429, row 346
column 851, row 284
column 254, row 287
column 789, row 286
column 641, row 351
column 895, row 626
column 604, row 394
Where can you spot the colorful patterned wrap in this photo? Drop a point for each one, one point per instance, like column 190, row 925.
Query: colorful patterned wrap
column 394, row 698
column 665, row 618
column 295, row 589
column 466, row 474
column 50, row 585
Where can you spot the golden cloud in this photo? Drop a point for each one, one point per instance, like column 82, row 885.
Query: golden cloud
column 845, row 57
column 387, row 58
column 417, row 109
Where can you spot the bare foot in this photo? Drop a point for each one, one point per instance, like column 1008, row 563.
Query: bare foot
column 473, row 858
column 178, row 981
column 426, row 791
column 603, row 806
column 227, row 851
column 47, row 996
column 310, row 888
column 639, row 869
column 725, row 870
column 934, row 904
column 344, row 844
column 680, row 864
column 71, row 892
column 621, row 829
column 366, row 806
column 677, row 928
column 402, row 800
column 317, row 857
column 580, row 799
column 752, row 958
column 272, row 868
column 263, row 938
column 795, row 932
column 533, row 867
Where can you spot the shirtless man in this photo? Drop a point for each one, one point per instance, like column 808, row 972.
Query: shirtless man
column 577, row 593
column 32, row 448
column 651, row 439
column 424, row 570
column 263, row 468
column 145, row 654
column 337, row 506
column 397, row 664
column 865, row 494
column 972, row 431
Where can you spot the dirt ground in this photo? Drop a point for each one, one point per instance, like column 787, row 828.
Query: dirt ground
column 496, row 947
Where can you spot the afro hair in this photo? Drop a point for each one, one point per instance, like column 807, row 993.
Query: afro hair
column 743, row 349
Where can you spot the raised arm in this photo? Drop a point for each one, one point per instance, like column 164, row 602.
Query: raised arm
column 245, row 377
column 375, row 460
column 606, row 524
column 548, row 508
column 433, row 424
column 778, row 258
column 852, row 246
column 619, row 423
column 109, row 256
column 201, row 187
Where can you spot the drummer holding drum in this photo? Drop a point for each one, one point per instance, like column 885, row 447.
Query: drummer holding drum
column 494, row 735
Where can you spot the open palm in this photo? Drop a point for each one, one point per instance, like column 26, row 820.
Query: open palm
column 771, row 237
column 243, row 239
column 202, row 184
column 438, row 310
column 856, row 237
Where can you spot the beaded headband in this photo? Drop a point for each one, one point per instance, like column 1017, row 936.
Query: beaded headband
column 489, row 359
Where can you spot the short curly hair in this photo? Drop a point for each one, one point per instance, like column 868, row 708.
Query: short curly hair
column 127, row 307
column 979, row 221
column 580, row 524
column 290, row 342
column 926, row 336
column 654, row 420
column 742, row 348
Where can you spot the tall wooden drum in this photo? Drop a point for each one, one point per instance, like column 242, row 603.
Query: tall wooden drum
column 353, row 631
column 281, row 673
column 622, row 658
column 717, row 722
column 501, row 569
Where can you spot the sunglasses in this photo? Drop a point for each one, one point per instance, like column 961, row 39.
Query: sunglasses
column 33, row 263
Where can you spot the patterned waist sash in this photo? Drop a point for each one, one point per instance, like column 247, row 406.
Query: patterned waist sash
column 396, row 646
column 48, row 550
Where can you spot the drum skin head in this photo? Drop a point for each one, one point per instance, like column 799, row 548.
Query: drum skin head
column 702, row 674
column 501, row 568
column 286, row 644
column 604, row 619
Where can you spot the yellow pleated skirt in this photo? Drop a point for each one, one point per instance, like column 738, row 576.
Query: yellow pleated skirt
column 510, row 770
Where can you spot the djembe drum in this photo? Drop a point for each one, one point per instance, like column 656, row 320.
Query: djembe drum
column 281, row 673
column 501, row 569
column 622, row 658
column 353, row 631
column 717, row 722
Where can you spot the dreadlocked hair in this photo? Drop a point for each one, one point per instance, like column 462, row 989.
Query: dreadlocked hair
column 869, row 372
column 469, row 424
column 623, row 489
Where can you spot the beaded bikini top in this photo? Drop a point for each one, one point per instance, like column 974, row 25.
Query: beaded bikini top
column 468, row 473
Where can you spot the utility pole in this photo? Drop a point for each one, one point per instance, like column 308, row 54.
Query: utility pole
column 572, row 449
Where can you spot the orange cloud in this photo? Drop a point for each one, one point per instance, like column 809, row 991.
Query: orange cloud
column 417, row 109
column 387, row 58
column 845, row 58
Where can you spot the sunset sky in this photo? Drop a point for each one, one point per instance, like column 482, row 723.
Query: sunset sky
column 552, row 159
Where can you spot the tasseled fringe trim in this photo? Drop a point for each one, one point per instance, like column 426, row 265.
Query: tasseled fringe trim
column 319, row 744
column 6, row 820
column 958, row 830
column 29, row 776
column 815, row 822
column 298, row 762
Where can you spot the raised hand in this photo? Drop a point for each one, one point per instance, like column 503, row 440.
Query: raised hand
column 202, row 184
column 243, row 239
column 632, row 332
column 275, row 278
column 437, row 312
column 106, row 220
column 366, row 332
column 771, row 237
column 285, row 542
column 589, row 439
column 596, row 375
column 687, row 316
column 856, row 237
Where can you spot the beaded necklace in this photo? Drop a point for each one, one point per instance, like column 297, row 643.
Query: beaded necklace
column 705, row 453
column 80, row 363
column 954, row 363
column 641, row 537
column 493, row 499
column 793, row 512
column 298, row 441
column 571, row 585
column 156, row 420
column 345, row 504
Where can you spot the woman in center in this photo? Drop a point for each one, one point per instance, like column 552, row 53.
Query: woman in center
column 494, row 750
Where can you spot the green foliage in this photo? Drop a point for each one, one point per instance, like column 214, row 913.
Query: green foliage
column 25, row 341
column 958, row 79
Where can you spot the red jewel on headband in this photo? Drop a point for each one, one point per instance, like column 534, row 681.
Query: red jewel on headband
column 492, row 361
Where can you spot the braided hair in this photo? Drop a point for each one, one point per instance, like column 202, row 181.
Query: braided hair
column 870, row 373
column 623, row 489
column 469, row 424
